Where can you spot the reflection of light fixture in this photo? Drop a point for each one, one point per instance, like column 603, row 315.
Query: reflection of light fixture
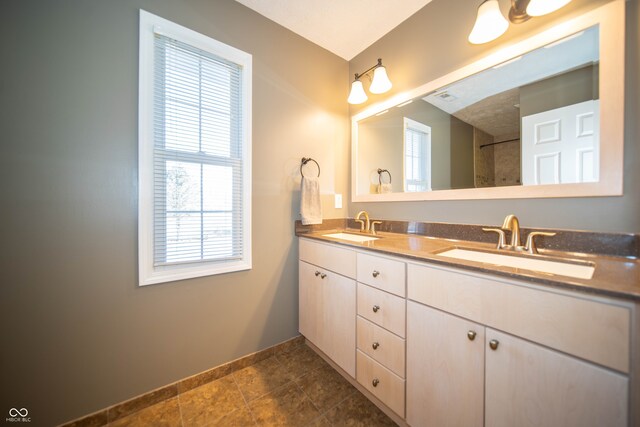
column 542, row 7
column 511, row 61
column 490, row 24
column 566, row 39
column 405, row 103
column 380, row 83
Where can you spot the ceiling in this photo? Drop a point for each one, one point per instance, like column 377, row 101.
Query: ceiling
column 344, row 27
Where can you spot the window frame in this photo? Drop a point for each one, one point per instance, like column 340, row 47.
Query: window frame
column 148, row 273
column 409, row 124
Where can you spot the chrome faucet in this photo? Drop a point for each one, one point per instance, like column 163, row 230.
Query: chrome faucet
column 512, row 224
column 364, row 226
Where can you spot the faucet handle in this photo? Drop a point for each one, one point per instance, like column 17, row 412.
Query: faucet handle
column 373, row 226
column 501, row 238
column 361, row 221
column 530, row 247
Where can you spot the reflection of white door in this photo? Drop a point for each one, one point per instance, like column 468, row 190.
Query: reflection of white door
column 561, row 146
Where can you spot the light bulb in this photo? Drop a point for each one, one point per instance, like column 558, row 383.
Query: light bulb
column 357, row 95
column 380, row 82
column 490, row 24
column 543, row 7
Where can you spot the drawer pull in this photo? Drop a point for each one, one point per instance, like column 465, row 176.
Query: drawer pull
column 376, row 308
column 317, row 273
column 375, row 345
column 375, row 382
column 494, row 344
column 471, row 335
column 322, row 276
column 375, row 273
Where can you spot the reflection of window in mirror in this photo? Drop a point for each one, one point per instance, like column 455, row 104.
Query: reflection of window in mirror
column 417, row 156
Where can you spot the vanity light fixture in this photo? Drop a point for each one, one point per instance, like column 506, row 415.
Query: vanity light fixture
column 380, row 83
column 490, row 24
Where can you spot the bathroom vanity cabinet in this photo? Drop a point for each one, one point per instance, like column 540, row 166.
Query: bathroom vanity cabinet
column 327, row 298
column 557, row 358
column 444, row 346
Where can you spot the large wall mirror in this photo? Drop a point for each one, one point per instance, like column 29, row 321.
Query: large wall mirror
column 540, row 118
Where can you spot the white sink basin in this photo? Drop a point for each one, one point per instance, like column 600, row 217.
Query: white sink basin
column 571, row 269
column 351, row 237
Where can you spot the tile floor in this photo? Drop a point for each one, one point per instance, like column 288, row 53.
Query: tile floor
column 293, row 388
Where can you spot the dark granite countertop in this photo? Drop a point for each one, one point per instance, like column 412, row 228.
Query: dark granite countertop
column 614, row 276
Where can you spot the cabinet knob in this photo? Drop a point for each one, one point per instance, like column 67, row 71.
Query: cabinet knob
column 375, row 273
column 322, row 275
column 494, row 344
column 376, row 308
column 471, row 335
column 375, row 382
column 375, row 345
column 317, row 273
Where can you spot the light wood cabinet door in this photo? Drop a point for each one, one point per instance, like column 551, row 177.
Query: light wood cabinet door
column 445, row 369
column 310, row 303
column 339, row 320
column 327, row 313
column 529, row 385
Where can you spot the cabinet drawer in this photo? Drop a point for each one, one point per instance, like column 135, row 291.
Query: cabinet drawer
column 382, row 273
column 389, row 387
column 589, row 329
column 382, row 308
column 331, row 257
column 381, row 345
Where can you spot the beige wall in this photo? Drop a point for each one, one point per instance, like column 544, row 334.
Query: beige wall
column 432, row 43
column 78, row 333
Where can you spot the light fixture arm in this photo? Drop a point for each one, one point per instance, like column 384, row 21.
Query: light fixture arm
column 518, row 12
column 379, row 64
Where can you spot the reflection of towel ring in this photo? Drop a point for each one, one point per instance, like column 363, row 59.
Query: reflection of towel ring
column 306, row 160
column 380, row 172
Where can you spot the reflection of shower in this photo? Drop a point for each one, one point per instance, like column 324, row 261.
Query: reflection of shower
column 384, row 187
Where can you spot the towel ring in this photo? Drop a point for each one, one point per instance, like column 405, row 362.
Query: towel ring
column 306, row 160
column 380, row 172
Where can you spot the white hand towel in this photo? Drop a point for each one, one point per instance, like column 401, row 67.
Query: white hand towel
column 310, row 207
column 385, row 188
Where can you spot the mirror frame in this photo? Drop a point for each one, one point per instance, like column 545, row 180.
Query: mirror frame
column 611, row 19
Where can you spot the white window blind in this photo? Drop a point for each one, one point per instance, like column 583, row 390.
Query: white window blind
column 417, row 152
column 198, row 158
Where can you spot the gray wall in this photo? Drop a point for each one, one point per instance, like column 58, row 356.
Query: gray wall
column 432, row 43
column 77, row 333
column 559, row 91
column 381, row 146
column 440, row 124
column 461, row 154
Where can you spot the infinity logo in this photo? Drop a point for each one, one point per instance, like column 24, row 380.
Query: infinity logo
column 13, row 412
